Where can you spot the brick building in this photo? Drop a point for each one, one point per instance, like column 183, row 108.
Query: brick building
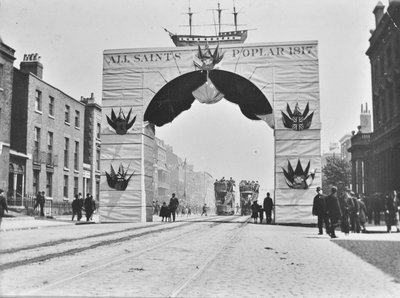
column 376, row 155
column 49, row 141
column 6, row 74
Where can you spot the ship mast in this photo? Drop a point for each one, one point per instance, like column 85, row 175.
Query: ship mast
column 219, row 18
column 190, row 13
column 235, row 13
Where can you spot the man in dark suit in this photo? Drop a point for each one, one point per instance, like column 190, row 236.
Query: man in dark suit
column 173, row 205
column 319, row 210
column 268, row 205
column 333, row 210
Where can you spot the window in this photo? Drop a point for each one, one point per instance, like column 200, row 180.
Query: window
column 98, row 159
column 98, row 130
column 49, row 184
column 65, row 186
column 77, row 116
column 36, row 181
column 38, row 101
column 51, row 106
column 66, row 152
column 36, row 144
column 49, row 148
column 76, row 156
column 76, row 182
column 67, row 113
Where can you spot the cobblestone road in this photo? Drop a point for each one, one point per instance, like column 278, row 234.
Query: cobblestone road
column 256, row 261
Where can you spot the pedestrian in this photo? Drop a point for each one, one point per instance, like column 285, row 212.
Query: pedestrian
column 88, row 206
column 355, row 212
column 189, row 211
column 261, row 213
column 75, row 207
column 204, row 210
column 333, row 211
column 319, row 210
column 37, row 199
column 346, row 205
column 362, row 213
column 157, row 208
column 268, row 204
column 93, row 207
column 173, row 205
column 237, row 208
column 81, row 204
column 254, row 211
column 3, row 205
column 391, row 207
column 164, row 212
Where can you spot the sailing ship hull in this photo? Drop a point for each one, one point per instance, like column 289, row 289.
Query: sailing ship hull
column 229, row 37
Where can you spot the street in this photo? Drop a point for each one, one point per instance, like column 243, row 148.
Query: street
column 213, row 256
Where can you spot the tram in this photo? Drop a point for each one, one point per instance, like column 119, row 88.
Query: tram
column 224, row 197
column 248, row 193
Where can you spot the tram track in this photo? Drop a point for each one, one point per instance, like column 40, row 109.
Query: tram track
column 139, row 253
column 80, row 245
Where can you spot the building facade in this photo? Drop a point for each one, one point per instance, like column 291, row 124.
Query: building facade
column 49, row 141
column 376, row 155
column 48, row 126
column 6, row 78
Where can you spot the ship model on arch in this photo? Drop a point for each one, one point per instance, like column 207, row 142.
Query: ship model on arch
column 220, row 37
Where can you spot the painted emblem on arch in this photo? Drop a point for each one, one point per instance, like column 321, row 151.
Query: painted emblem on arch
column 299, row 178
column 118, row 180
column 297, row 120
column 122, row 123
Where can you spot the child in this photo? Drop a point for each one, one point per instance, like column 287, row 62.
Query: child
column 164, row 212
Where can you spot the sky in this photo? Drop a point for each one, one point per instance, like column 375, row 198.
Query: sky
column 71, row 35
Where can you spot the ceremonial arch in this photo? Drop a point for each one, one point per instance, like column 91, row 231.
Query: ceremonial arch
column 144, row 88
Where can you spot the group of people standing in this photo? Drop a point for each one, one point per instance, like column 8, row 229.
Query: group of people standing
column 349, row 211
column 257, row 211
column 88, row 205
column 168, row 211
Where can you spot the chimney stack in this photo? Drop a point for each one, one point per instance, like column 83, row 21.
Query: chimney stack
column 378, row 12
column 31, row 64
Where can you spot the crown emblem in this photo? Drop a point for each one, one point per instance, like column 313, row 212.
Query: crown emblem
column 121, row 124
column 208, row 60
column 119, row 180
column 297, row 120
column 299, row 178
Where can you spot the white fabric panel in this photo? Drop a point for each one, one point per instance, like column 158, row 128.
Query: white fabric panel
column 297, row 148
column 121, row 151
column 297, row 87
column 126, row 80
column 290, row 134
column 120, row 214
column 280, row 182
column 292, row 73
column 112, row 198
column 289, row 197
column 124, row 102
column 292, row 98
column 294, row 214
column 129, row 138
column 282, row 162
column 122, row 93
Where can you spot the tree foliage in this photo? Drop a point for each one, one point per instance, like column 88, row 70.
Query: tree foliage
column 336, row 172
